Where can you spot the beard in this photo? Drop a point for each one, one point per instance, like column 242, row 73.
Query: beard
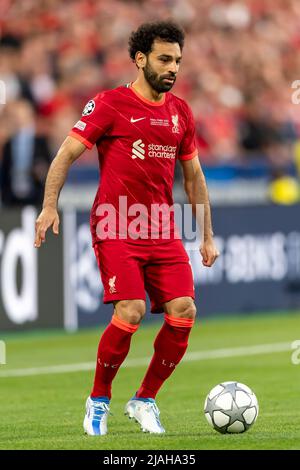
column 157, row 81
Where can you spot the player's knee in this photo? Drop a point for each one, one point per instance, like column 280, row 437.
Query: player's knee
column 184, row 308
column 131, row 311
column 190, row 311
column 193, row 313
column 134, row 317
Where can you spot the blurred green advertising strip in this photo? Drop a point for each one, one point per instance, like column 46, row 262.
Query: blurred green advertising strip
column 2, row 352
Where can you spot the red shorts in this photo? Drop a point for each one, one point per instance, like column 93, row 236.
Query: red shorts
column 128, row 269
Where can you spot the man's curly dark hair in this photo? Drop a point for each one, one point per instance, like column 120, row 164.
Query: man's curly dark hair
column 143, row 38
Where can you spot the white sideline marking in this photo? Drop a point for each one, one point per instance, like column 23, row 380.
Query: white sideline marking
column 191, row 356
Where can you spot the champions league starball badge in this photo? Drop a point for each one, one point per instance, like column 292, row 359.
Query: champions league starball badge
column 89, row 108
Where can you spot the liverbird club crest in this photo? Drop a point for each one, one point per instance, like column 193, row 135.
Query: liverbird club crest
column 112, row 286
column 175, row 127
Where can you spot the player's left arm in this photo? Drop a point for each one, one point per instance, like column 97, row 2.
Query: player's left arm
column 197, row 193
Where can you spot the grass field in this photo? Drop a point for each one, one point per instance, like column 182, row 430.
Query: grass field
column 43, row 408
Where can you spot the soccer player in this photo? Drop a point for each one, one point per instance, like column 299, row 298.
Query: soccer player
column 140, row 130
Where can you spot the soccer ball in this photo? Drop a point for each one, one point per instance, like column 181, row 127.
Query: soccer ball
column 231, row 407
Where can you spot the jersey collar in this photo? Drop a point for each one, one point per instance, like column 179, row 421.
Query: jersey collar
column 145, row 100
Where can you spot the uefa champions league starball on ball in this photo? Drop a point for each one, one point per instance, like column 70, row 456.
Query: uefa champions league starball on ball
column 231, row 407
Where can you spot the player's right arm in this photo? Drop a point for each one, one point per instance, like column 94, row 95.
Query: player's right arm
column 70, row 150
column 97, row 117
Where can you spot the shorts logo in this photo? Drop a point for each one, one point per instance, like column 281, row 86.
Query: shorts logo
column 89, row 108
column 138, row 149
column 111, row 283
column 175, row 128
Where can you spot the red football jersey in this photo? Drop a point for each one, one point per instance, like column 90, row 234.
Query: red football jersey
column 138, row 142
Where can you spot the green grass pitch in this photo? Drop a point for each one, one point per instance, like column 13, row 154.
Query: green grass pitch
column 46, row 411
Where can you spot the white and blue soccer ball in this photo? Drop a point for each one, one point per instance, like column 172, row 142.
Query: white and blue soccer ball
column 231, row 407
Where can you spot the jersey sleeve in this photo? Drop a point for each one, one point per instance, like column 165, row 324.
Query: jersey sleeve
column 96, row 119
column 188, row 147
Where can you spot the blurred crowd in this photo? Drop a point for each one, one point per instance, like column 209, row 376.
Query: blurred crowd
column 239, row 62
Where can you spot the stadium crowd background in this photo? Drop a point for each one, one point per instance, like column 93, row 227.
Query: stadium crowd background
column 240, row 60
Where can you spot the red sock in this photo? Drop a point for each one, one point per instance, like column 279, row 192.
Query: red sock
column 169, row 348
column 112, row 351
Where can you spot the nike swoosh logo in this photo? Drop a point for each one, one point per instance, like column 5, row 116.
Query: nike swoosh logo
column 136, row 120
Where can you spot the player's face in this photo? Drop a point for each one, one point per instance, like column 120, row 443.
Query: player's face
column 162, row 65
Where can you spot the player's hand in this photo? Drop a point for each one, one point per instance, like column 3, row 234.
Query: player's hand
column 209, row 253
column 47, row 218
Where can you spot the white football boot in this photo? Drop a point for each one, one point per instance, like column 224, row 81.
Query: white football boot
column 146, row 413
column 95, row 420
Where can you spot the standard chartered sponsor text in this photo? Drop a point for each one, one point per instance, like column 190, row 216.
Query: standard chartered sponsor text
column 162, row 151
